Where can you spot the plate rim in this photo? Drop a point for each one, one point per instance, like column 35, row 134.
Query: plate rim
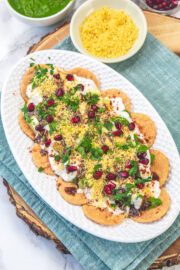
column 40, row 193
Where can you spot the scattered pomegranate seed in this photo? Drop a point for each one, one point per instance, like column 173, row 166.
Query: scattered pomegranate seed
column 118, row 125
column 144, row 161
column 105, row 148
column 122, row 190
column 49, row 118
column 117, row 133
column 91, row 114
column 59, row 92
column 50, row 102
column 162, row 4
column 58, row 137
column 108, row 190
column 56, row 76
column 48, row 142
column 111, row 176
column 131, row 126
column 124, row 174
column 141, row 155
column 111, row 185
column 97, row 175
column 71, row 168
column 31, row 107
column 141, row 185
column 70, row 77
column 75, row 119
column 128, row 165
column 94, row 107
column 39, row 128
column 80, row 87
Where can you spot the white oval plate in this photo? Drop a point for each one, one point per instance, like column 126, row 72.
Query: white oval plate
column 12, row 102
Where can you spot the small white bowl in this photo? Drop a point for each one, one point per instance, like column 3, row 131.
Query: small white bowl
column 45, row 21
column 128, row 6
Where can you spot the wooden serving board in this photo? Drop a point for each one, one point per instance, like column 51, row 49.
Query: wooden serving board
column 167, row 30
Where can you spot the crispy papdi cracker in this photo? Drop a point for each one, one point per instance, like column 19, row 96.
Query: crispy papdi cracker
column 118, row 93
column 156, row 213
column 160, row 166
column 27, row 79
column 102, row 216
column 69, row 193
column 85, row 73
column 41, row 159
column 146, row 127
column 25, row 127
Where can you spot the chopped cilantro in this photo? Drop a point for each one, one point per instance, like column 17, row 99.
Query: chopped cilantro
column 127, row 112
column 121, row 120
column 32, row 59
column 91, row 98
column 102, row 109
column 96, row 153
column 113, row 205
column 154, row 202
column 65, row 156
column 81, row 150
column 25, row 111
column 136, row 139
column 97, row 167
column 117, row 159
column 108, row 125
column 74, row 181
column 134, row 168
column 142, row 148
column 31, row 64
column 52, row 127
column 57, row 158
column 140, row 180
column 40, row 169
column 152, row 156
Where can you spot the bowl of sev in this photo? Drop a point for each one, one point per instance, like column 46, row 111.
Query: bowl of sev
column 108, row 30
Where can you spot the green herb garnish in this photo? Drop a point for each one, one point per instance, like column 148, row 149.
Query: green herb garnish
column 134, row 168
column 152, row 157
column 40, row 169
column 57, row 158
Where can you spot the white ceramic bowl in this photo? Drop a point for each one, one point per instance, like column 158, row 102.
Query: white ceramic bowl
column 128, row 6
column 45, row 21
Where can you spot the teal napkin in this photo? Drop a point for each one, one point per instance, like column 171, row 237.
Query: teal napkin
column 154, row 71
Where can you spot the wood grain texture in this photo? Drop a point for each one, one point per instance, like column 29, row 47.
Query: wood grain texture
column 167, row 30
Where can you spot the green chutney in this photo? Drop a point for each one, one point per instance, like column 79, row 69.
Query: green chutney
column 38, row 8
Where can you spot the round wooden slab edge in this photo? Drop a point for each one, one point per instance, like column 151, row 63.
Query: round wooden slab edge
column 158, row 25
column 166, row 29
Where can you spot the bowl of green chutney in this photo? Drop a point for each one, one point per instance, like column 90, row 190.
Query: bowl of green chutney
column 40, row 12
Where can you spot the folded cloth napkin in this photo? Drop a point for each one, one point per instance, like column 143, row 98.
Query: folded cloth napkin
column 154, row 71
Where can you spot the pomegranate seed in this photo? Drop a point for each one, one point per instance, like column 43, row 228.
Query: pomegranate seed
column 97, row 174
column 124, row 174
column 117, row 125
column 144, row 161
column 105, row 148
column 111, row 185
column 94, row 107
column 50, row 102
column 48, row 142
column 31, row 107
column 75, row 119
column 140, row 185
column 59, row 92
column 49, row 118
column 111, row 176
column 56, row 76
column 128, row 165
column 70, row 77
column 39, row 128
column 108, row 190
column 80, row 87
column 131, row 126
column 58, row 137
column 71, row 168
column 117, row 133
column 122, row 190
column 141, row 155
column 91, row 114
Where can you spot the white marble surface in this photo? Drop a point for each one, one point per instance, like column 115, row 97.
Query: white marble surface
column 19, row 248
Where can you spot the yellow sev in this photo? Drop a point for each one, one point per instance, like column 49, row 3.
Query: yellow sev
column 108, row 33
